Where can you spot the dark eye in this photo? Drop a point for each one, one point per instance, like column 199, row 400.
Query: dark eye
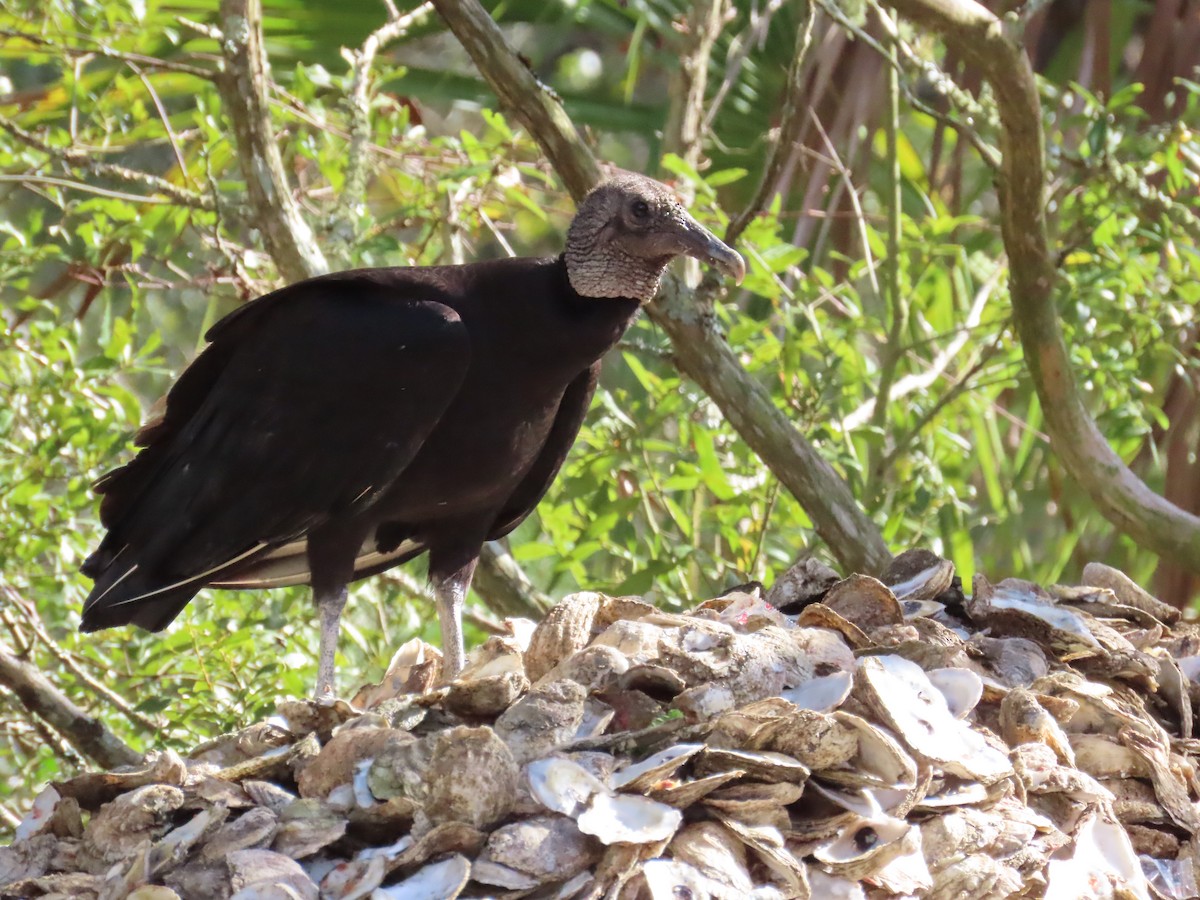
column 641, row 209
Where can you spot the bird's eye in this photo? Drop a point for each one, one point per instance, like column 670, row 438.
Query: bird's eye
column 641, row 209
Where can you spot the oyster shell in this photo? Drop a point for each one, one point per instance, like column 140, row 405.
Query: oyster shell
column 443, row 880
column 566, row 629
column 865, row 601
column 901, row 694
column 805, row 582
column 918, row 576
column 628, row 819
column 542, row 720
column 533, row 852
column 472, row 779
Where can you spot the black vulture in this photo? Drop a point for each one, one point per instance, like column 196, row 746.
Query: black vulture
column 347, row 423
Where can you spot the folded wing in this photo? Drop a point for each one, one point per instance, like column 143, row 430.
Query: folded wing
column 306, row 405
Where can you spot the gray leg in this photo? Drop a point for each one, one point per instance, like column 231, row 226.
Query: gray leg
column 330, row 605
column 449, row 596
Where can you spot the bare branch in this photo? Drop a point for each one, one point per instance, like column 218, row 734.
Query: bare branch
column 942, row 82
column 31, row 617
column 978, row 36
column 860, row 220
column 164, row 118
column 243, row 87
column 505, row 586
column 9, row 818
column 740, row 47
column 701, row 352
column 81, row 186
column 893, row 350
column 529, row 101
column 684, row 133
column 87, row 734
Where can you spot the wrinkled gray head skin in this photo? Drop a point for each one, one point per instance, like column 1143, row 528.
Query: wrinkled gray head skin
column 626, row 232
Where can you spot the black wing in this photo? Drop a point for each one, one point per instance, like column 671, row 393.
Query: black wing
column 300, row 412
column 571, row 413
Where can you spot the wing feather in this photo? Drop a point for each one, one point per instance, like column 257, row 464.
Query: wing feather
column 300, row 412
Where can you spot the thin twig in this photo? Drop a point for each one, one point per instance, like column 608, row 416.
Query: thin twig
column 740, row 47
column 892, row 352
column 684, row 133
column 941, row 81
column 11, row 819
column 85, row 159
column 920, row 381
column 852, row 193
column 98, row 48
column 359, row 101
column 165, row 119
column 790, row 125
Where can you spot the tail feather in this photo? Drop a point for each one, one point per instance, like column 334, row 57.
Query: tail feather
column 130, row 596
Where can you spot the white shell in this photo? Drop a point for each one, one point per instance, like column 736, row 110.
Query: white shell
column 658, row 766
column 822, row 694
column 442, row 880
column 901, row 694
column 1103, row 861
column 562, row 785
column 629, row 819
column 962, row 689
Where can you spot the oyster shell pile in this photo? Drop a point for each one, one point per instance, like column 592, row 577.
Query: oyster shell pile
column 853, row 738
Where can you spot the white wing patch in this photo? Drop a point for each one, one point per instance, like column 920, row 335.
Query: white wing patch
column 189, row 580
column 287, row 565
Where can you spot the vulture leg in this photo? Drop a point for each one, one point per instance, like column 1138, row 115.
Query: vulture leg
column 331, row 551
column 451, row 577
column 330, row 604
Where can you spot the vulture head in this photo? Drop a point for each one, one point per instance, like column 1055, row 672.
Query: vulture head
column 625, row 233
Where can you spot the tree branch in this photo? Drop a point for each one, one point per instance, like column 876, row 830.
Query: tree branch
column 31, row 618
column 508, row 589
column 978, row 36
column 528, row 100
column 701, row 352
column 243, row 87
column 85, row 733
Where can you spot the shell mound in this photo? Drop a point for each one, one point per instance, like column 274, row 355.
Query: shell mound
column 853, row 738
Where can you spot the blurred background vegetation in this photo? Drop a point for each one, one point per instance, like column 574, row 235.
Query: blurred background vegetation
column 108, row 281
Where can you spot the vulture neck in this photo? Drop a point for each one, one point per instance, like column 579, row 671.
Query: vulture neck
column 600, row 268
column 595, row 324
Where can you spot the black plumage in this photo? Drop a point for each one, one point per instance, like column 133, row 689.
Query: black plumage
column 348, row 423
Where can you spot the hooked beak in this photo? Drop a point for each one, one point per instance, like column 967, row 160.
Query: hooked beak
column 702, row 244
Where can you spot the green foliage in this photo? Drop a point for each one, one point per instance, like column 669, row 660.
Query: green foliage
column 107, row 295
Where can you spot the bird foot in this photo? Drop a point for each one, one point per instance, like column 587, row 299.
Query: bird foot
column 325, row 695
